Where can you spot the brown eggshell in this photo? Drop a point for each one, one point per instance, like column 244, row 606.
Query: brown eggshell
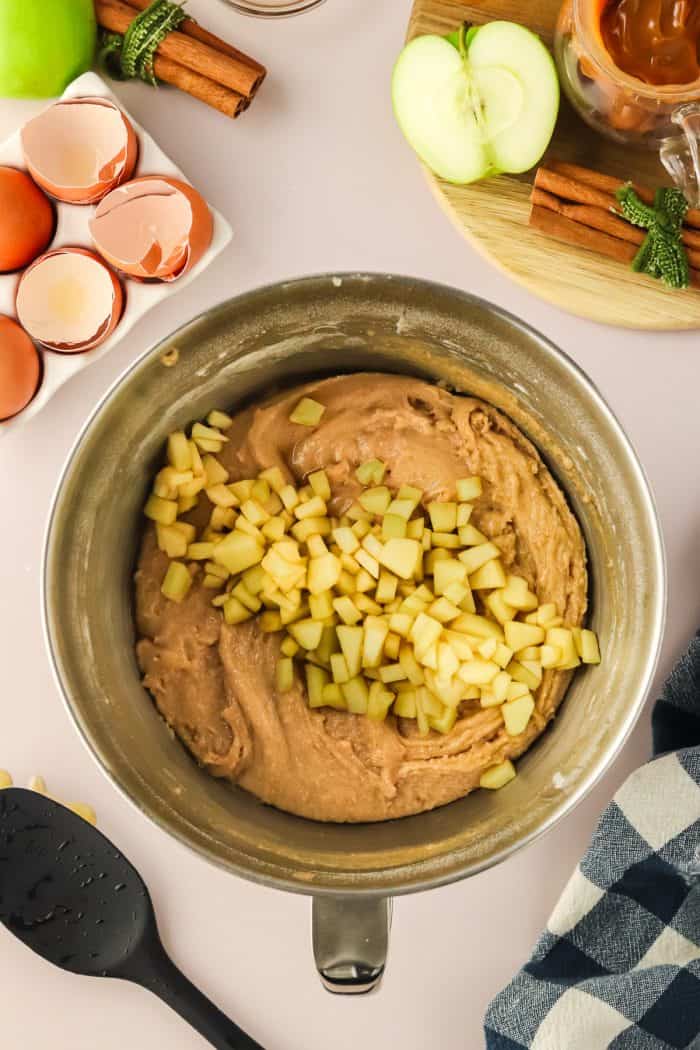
column 20, row 368
column 152, row 228
column 27, row 220
column 80, row 148
column 69, row 301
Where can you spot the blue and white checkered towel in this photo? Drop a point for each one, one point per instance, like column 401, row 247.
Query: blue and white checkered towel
column 618, row 966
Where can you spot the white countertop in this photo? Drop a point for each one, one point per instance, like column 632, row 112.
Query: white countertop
column 315, row 177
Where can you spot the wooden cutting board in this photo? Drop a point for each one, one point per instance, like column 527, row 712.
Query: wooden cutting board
column 493, row 214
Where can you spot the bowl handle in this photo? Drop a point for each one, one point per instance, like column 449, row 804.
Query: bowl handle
column 350, row 940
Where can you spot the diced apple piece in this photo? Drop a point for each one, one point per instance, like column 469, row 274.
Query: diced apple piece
column 274, row 529
column 516, row 689
column 171, row 541
column 321, row 605
column 284, row 674
column 320, row 484
column 307, row 633
column 339, row 668
column 414, row 528
column 478, row 672
column 497, row 776
column 375, row 500
column 392, row 673
column 530, row 653
column 254, row 512
column 379, row 702
column 270, row 621
column 221, row 496
column 313, row 508
column 214, row 472
column 323, row 573
column 202, row 433
column 520, row 673
column 200, row 551
column 289, row 647
column 545, row 613
column 448, row 664
column 489, row 577
column 521, row 635
column 375, row 632
column 443, row 516
column 444, row 540
column 469, row 489
column 235, row 611
column 400, row 623
column 456, row 593
column 498, row 607
column 564, row 640
column 517, row 713
column 176, row 582
column 347, row 610
column 402, row 508
column 424, row 632
column 488, row 648
column 517, row 593
column 332, row 696
column 371, row 472
column 443, row 723
column 351, row 639
column 316, row 679
column 187, row 530
column 361, row 527
column 405, row 704
column 400, row 556
column 587, row 646
column 477, row 556
column 464, row 513
column 346, row 540
column 308, row 412
column 503, row 655
column 392, row 646
column 478, row 626
column 311, row 527
column 179, row 455
column 164, row 511
column 386, row 587
column 447, row 571
column 274, row 477
column 443, row 610
column 327, row 646
column 394, row 527
column 218, row 419
column 460, row 645
column 469, row 536
column 368, row 563
column 356, row 695
column 550, row 655
column 211, row 582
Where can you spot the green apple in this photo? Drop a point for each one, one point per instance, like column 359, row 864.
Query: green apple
column 478, row 102
column 44, row 44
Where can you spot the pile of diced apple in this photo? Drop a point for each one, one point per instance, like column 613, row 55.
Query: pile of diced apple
column 381, row 605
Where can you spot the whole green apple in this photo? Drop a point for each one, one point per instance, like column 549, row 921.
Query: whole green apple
column 44, row 44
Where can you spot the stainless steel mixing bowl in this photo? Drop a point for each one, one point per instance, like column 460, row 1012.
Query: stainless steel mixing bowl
column 244, row 348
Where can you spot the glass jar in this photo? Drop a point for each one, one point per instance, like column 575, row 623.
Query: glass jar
column 661, row 117
column 273, row 8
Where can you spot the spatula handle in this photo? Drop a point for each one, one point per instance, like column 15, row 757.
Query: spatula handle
column 161, row 976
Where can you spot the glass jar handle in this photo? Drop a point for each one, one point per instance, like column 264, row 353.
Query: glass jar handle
column 350, row 940
column 680, row 155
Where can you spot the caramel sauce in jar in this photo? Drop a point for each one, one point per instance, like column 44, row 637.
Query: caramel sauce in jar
column 656, row 41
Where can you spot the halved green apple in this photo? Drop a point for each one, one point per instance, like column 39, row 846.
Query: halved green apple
column 478, row 102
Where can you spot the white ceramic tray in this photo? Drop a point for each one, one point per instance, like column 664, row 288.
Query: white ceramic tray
column 72, row 228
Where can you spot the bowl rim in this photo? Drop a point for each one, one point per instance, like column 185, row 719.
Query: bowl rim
column 657, row 555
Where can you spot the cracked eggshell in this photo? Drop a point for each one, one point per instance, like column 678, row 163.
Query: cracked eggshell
column 69, row 300
column 80, row 148
column 20, row 368
column 152, row 228
column 27, row 220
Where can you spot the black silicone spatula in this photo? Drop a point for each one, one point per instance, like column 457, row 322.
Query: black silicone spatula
column 72, row 897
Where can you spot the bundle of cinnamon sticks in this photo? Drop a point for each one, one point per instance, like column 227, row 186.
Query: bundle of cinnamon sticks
column 578, row 206
column 193, row 60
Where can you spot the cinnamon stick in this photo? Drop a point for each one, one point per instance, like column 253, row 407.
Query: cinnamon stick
column 607, row 222
column 609, row 184
column 216, row 95
column 564, row 229
column 572, row 190
column 193, row 29
column 187, row 51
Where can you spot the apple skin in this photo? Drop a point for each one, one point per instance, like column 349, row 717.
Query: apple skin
column 45, row 45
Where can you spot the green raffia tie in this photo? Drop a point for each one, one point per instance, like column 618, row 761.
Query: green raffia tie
column 131, row 55
column 661, row 253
